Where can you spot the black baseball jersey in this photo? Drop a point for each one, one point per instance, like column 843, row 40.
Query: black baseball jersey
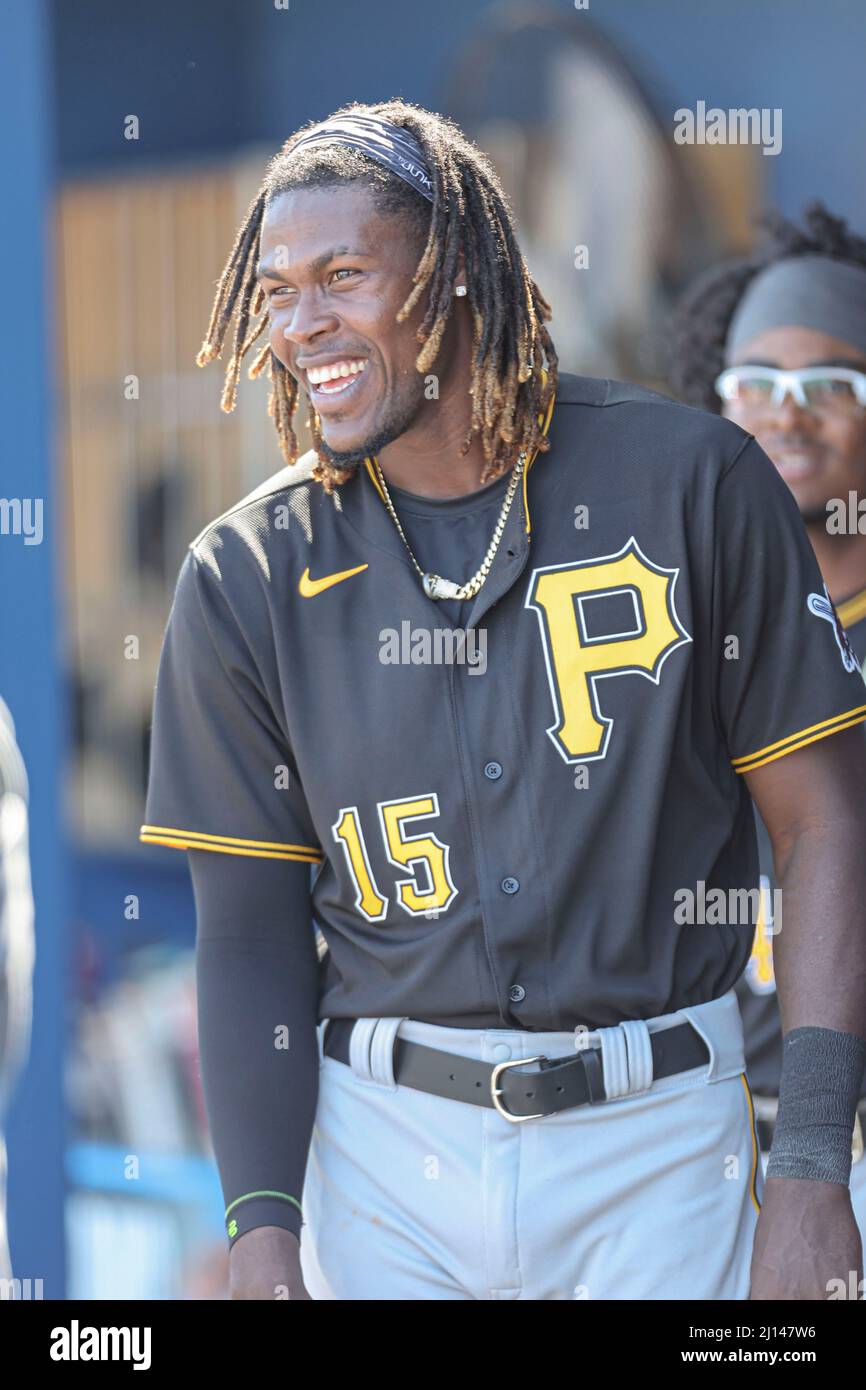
column 449, row 536
column 505, row 817
column 757, row 989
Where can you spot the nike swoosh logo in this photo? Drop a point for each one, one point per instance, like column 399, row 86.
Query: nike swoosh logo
column 308, row 588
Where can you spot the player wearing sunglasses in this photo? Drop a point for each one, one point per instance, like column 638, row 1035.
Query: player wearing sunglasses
column 778, row 344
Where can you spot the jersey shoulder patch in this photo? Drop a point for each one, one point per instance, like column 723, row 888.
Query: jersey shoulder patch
column 823, row 607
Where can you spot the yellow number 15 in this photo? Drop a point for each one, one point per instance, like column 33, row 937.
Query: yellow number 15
column 430, row 888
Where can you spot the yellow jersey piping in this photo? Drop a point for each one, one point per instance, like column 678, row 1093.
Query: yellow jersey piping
column 548, row 416
column 853, row 609
column 227, row 844
column 544, row 428
column 368, row 464
column 753, row 1184
column 772, row 751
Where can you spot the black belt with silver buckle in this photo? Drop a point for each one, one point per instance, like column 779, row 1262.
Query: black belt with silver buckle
column 560, row 1083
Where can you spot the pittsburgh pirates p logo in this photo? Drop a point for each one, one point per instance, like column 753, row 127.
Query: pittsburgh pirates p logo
column 578, row 659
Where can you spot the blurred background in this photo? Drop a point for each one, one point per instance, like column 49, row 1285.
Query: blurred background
column 135, row 136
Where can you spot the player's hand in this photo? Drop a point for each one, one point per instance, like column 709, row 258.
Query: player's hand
column 266, row 1264
column 807, row 1245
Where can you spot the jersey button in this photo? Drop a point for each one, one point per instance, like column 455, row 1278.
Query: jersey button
column 510, row 885
column 493, row 771
column 517, row 994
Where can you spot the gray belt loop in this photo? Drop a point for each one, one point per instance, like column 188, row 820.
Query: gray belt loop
column 371, row 1050
column 614, row 1062
column 382, row 1051
column 359, row 1047
column 640, row 1055
column 626, row 1054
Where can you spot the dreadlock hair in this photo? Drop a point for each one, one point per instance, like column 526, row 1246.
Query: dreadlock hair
column 700, row 324
column 469, row 213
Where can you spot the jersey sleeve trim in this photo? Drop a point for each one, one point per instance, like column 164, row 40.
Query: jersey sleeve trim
column 772, row 751
column 227, row 844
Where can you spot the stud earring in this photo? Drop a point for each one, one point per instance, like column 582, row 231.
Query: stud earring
column 460, row 291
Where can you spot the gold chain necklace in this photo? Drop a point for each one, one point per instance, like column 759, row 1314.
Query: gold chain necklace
column 434, row 585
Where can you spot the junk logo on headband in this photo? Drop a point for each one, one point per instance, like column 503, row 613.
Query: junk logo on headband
column 392, row 146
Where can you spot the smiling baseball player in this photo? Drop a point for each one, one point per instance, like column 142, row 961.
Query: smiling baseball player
column 777, row 342
column 511, row 1072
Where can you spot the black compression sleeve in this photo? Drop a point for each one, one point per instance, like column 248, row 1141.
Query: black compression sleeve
column 257, row 985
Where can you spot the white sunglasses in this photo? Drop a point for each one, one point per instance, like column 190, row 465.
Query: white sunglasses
column 813, row 388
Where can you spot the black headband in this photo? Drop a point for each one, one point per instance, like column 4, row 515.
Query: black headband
column 390, row 145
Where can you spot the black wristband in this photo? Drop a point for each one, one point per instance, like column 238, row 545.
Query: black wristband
column 262, row 1209
column 822, row 1070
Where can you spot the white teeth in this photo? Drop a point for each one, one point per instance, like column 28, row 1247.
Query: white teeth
column 317, row 376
